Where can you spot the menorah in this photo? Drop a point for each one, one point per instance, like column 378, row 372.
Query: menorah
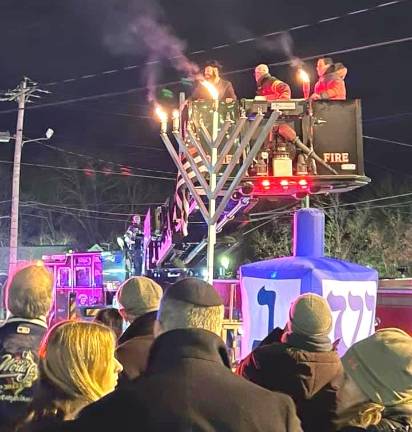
column 213, row 145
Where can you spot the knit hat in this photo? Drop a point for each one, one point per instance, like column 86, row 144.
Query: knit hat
column 139, row 295
column 310, row 315
column 381, row 366
column 194, row 291
column 30, row 292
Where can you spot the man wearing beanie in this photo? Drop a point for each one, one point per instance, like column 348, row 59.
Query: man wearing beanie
column 188, row 384
column 139, row 299
column 29, row 296
column 301, row 362
column 376, row 393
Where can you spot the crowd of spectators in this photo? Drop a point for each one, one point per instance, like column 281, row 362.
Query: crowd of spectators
column 170, row 371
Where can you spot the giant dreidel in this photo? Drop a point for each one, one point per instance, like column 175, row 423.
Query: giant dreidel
column 217, row 181
column 269, row 287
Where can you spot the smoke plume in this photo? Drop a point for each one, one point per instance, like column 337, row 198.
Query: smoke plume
column 143, row 31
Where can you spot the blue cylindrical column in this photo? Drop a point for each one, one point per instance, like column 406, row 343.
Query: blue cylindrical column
column 309, row 233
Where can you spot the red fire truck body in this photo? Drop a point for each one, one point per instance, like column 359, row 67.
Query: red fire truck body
column 394, row 305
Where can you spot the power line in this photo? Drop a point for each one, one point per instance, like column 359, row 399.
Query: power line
column 234, row 43
column 62, row 207
column 94, row 171
column 387, row 117
column 269, row 213
column 171, row 83
column 388, row 141
column 65, row 212
column 101, row 160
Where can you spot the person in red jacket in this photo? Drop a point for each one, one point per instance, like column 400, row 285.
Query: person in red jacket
column 331, row 82
column 269, row 86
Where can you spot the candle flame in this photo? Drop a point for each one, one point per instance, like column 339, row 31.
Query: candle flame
column 175, row 114
column 161, row 114
column 303, row 76
column 211, row 89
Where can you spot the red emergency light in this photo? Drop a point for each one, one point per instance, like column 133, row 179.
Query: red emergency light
column 265, row 183
column 280, row 185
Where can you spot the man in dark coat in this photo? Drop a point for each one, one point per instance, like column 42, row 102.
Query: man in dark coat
column 29, row 299
column 212, row 73
column 301, row 362
column 139, row 299
column 269, row 86
column 188, row 385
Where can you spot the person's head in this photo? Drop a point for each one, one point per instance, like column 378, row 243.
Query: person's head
column 137, row 296
column 111, row 318
column 323, row 65
column 309, row 316
column 212, row 71
column 30, row 292
column 260, row 71
column 190, row 303
column 378, row 375
column 136, row 220
column 78, row 359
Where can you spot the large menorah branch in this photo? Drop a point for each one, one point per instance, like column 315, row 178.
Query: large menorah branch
column 212, row 188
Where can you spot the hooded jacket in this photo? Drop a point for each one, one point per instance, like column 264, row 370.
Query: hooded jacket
column 272, row 88
column 308, row 377
column 332, row 85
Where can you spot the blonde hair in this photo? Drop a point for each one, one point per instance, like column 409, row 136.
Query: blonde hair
column 369, row 414
column 77, row 357
column 30, row 292
column 175, row 314
column 363, row 415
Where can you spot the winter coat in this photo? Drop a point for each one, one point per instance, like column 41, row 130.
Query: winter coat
column 394, row 419
column 19, row 343
column 310, row 378
column 272, row 88
column 224, row 88
column 188, row 386
column 134, row 346
column 332, row 85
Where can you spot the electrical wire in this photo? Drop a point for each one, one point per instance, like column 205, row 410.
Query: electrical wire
column 101, row 160
column 94, row 170
column 171, row 83
column 234, row 43
column 31, row 203
column 385, row 140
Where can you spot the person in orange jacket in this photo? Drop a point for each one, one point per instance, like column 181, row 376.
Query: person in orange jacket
column 331, row 82
column 269, row 86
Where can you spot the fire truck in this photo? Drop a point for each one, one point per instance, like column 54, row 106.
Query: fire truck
column 394, row 304
column 84, row 280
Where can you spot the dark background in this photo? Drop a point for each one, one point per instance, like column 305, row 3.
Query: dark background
column 84, row 52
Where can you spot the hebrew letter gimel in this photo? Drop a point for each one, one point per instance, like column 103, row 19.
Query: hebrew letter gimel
column 268, row 298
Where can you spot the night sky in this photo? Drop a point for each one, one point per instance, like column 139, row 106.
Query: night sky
column 95, row 46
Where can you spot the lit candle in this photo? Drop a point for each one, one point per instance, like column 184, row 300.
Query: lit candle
column 175, row 119
column 304, row 77
column 162, row 117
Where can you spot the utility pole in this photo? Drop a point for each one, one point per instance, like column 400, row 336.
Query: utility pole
column 21, row 94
